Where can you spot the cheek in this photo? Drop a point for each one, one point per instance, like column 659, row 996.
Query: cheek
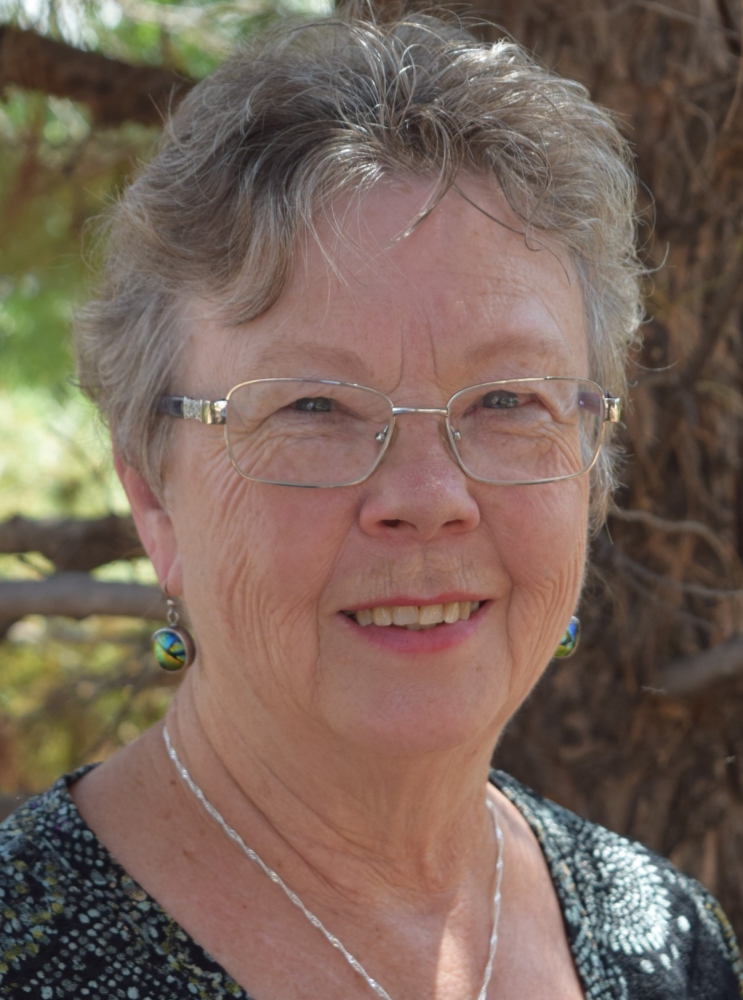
column 543, row 534
column 540, row 534
column 256, row 559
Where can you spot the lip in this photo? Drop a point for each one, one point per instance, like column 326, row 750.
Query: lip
column 403, row 640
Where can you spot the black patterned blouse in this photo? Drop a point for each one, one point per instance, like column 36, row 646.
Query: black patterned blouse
column 75, row 925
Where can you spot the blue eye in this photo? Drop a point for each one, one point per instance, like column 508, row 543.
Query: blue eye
column 314, row 404
column 500, row 399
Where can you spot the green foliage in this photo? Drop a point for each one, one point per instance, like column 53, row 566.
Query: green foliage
column 55, row 459
column 58, row 173
column 71, row 693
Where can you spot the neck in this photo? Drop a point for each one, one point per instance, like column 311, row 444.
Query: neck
column 338, row 820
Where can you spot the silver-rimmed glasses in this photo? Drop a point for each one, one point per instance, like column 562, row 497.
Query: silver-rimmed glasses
column 322, row 433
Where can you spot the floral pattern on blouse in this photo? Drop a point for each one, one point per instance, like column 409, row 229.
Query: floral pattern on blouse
column 74, row 924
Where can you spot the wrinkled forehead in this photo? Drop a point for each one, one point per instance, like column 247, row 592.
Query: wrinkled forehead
column 385, row 287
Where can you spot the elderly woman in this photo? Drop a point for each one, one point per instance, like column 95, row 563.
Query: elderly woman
column 360, row 345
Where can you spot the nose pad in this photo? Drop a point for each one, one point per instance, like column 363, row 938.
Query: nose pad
column 444, row 431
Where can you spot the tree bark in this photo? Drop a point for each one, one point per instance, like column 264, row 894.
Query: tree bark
column 695, row 673
column 641, row 730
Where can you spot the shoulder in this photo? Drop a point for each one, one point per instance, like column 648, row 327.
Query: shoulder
column 632, row 917
column 73, row 922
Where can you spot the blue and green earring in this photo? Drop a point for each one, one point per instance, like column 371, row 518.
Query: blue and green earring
column 569, row 642
column 173, row 646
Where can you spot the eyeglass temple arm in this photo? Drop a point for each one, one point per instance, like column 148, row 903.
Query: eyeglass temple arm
column 206, row 411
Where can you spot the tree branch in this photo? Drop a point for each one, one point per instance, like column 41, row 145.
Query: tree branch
column 72, row 543
column 723, row 304
column 695, row 589
column 77, row 595
column 694, row 673
column 114, row 91
column 724, row 551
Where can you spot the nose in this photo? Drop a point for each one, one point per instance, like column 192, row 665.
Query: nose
column 419, row 491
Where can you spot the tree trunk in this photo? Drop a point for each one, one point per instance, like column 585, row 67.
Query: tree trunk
column 653, row 751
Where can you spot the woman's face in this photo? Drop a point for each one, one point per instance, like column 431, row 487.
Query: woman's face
column 267, row 572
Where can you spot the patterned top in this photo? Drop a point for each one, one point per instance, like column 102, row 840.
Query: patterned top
column 74, row 924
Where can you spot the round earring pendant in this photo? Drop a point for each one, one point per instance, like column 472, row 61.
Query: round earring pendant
column 569, row 642
column 173, row 648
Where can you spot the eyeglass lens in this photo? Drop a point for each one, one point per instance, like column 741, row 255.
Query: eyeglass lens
column 311, row 433
column 525, row 432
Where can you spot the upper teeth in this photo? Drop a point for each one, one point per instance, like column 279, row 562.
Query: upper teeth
column 415, row 617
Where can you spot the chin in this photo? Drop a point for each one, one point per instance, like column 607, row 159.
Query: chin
column 411, row 724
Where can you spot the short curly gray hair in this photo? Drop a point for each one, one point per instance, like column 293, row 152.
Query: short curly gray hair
column 314, row 110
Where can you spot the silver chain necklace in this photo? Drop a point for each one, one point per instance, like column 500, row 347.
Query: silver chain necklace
column 315, row 921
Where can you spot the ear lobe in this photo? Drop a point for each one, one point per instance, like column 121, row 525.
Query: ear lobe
column 153, row 523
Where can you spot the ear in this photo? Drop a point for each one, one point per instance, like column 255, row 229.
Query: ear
column 153, row 524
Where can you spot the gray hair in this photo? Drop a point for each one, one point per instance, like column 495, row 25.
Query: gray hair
column 311, row 111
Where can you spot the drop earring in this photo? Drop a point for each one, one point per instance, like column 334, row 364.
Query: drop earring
column 571, row 639
column 173, row 646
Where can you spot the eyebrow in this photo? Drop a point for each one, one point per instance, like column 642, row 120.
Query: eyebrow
column 534, row 342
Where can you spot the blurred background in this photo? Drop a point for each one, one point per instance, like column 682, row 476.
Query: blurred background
column 643, row 729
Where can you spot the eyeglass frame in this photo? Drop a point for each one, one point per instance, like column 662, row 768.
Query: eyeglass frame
column 214, row 412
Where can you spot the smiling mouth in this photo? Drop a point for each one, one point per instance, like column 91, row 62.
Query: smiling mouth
column 416, row 618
